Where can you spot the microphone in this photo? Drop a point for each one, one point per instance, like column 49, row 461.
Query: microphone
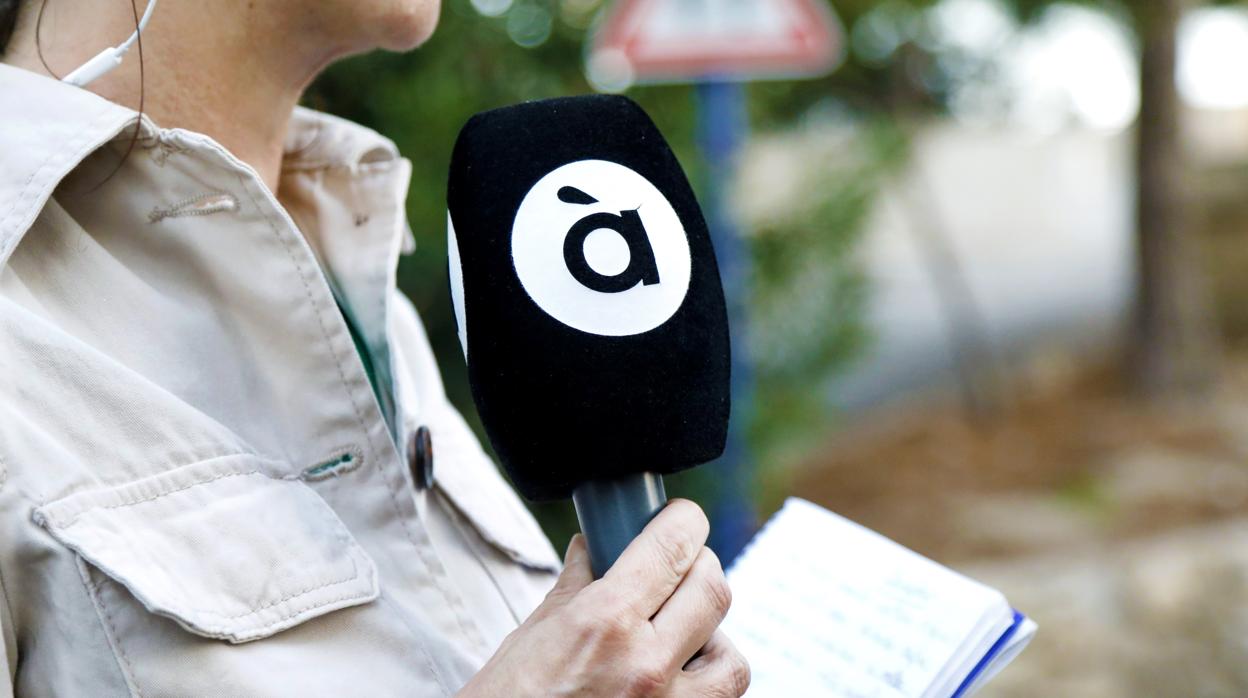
column 589, row 308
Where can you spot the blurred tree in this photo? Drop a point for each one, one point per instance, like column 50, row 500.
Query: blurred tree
column 1174, row 338
column 1173, row 344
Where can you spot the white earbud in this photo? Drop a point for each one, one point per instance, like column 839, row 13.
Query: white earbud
column 109, row 58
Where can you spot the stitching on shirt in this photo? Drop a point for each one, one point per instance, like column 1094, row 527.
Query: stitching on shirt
column 350, row 458
column 362, row 168
column 352, row 576
column 8, row 605
column 131, row 502
column 359, row 418
column 291, row 613
column 198, row 455
column 343, row 537
column 204, row 204
column 307, row 289
column 165, row 149
column 110, row 628
column 26, row 190
column 265, row 630
column 121, row 652
column 467, row 531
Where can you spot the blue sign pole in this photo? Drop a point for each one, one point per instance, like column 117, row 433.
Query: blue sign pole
column 722, row 127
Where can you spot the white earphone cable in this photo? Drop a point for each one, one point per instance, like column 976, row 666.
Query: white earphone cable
column 109, row 58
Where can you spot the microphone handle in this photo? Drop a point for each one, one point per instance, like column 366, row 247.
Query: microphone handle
column 613, row 512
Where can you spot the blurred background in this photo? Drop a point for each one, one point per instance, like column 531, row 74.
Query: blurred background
column 992, row 285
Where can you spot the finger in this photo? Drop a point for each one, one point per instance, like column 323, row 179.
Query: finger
column 716, row 647
column 655, row 562
column 689, row 618
column 719, row 672
column 576, row 575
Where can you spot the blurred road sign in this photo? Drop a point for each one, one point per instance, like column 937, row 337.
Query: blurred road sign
column 692, row 40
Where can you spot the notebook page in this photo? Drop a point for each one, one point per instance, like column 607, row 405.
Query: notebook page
column 967, row 686
column 1012, row 649
column 974, row 647
column 825, row 607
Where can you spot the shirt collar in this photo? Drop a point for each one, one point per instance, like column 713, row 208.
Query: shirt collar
column 49, row 127
column 316, row 140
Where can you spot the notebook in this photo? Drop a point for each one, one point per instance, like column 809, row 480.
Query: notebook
column 825, row 607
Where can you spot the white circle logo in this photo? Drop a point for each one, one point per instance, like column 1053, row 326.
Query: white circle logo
column 599, row 248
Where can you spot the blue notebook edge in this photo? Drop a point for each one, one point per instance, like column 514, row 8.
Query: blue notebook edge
column 990, row 655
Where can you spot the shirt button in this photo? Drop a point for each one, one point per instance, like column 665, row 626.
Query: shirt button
column 420, row 457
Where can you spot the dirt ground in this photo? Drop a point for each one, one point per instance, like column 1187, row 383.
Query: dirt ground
column 1122, row 529
column 1076, row 451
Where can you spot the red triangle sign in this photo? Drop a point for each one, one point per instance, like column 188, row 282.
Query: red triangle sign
column 690, row 40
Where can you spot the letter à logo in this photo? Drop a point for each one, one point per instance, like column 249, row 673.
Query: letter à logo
column 627, row 224
column 599, row 248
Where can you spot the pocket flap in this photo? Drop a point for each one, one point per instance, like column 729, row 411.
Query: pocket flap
column 226, row 547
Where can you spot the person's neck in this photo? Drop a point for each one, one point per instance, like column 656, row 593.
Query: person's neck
column 222, row 71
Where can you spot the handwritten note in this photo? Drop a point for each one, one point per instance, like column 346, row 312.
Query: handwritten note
column 825, row 607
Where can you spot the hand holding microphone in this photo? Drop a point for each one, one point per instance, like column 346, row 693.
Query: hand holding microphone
column 631, row 633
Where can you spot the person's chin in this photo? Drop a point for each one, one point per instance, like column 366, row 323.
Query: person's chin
column 410, row 24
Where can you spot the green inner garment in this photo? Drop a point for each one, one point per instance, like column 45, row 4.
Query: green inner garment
column 376, row 364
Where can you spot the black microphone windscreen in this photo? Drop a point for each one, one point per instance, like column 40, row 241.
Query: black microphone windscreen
column 587, row 295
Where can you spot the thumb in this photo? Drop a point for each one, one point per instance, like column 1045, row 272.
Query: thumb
column 576, row 575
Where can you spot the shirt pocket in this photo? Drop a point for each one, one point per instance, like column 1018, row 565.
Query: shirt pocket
column 230, row 577
column 224, row 547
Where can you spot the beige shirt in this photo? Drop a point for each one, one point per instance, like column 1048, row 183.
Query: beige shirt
column 199, row 494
